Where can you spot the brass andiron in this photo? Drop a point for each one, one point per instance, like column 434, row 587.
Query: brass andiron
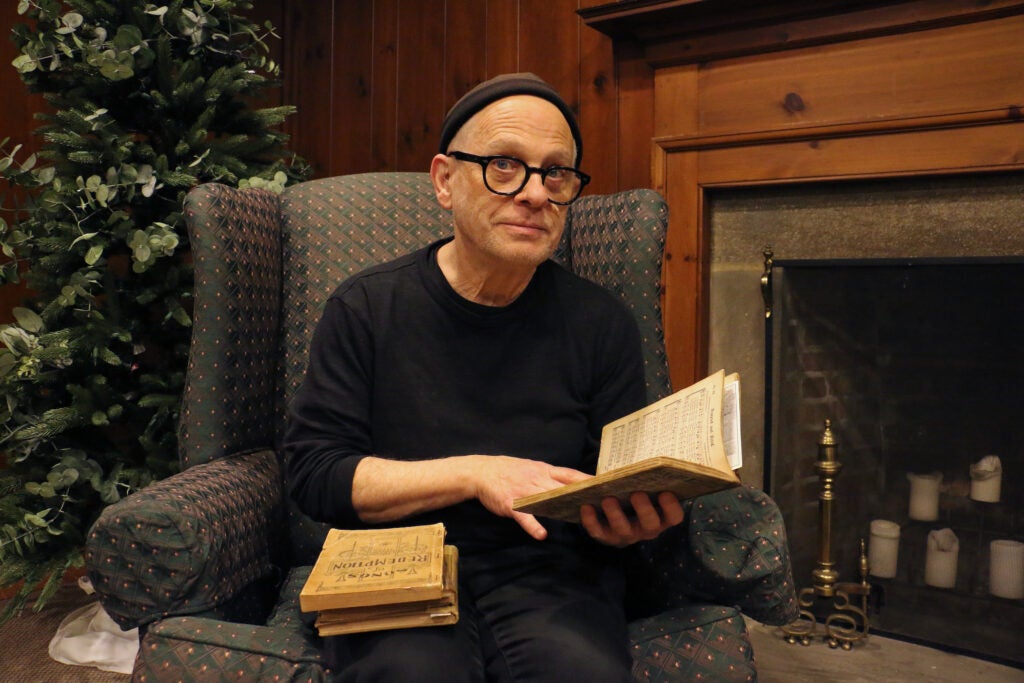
column 847, row 623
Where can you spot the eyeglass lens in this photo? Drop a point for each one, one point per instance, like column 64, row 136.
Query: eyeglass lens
column 509, row 176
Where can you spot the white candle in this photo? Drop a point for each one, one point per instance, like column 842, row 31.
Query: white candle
column 940, row 561
column 924, row 496
column 883, row 548
column 1006, row 569
column 986, row 476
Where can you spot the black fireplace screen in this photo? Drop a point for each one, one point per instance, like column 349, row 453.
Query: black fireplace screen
column 919, row 365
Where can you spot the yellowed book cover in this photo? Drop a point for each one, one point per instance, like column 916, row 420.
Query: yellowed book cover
column 364, row 567
column 687, row 443
column 444, row 610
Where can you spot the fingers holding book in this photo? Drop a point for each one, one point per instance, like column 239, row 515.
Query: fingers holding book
column 642, row 520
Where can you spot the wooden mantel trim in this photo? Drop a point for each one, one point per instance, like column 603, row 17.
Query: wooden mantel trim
column 689, row 31
column 683, row 143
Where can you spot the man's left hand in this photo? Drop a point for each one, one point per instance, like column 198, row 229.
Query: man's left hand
column 615, row 528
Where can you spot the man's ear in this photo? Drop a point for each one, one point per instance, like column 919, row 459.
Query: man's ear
column 440, row 176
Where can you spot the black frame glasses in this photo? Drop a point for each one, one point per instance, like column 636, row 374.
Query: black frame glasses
column 554, row 178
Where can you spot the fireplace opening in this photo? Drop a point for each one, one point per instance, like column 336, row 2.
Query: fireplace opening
column 897, row 314
column 919, row 365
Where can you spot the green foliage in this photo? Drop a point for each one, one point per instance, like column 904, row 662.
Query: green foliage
column 147, row 101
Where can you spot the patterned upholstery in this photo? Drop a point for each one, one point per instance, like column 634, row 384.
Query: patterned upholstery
column 617, row 241
column 692, row 643
column 209, row 562
column 236, row 247
column 189, row 543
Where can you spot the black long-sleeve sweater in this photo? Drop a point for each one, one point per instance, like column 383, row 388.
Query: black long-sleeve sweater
column 403, row 367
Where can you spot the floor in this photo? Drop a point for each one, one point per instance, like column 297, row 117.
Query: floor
column 876, row 660
column 24, row 656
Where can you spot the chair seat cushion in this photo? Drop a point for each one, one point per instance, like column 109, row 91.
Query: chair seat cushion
column 198, row 649
column 287, row 612
column 287, row 648
column 695, row 642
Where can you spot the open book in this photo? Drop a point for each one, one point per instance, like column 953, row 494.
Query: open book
column 375, row 579
column 687, row 443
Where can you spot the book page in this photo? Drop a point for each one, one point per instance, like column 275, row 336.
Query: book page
column 731, row 438
column 685, row 425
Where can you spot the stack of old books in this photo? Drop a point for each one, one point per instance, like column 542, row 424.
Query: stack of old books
column 377, row 579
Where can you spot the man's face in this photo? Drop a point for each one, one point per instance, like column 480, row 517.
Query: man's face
column 520, row 230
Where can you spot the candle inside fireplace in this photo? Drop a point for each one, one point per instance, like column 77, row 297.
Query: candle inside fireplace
column 1006, row 569
column 986, row 476
column 924, row 496
column 883, row 548
column 940, row 561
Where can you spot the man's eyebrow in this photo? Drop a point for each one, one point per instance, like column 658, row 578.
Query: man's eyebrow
column 511, row 147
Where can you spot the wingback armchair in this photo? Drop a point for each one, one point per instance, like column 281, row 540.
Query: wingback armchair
column 209, row 562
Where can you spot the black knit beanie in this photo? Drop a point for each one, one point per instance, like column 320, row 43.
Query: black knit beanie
column 498, row 88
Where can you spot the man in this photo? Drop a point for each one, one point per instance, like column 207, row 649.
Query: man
column 446, row 384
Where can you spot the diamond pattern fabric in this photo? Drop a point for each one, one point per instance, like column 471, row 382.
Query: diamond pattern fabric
column 617, row 241
column 693, row 643
column 731, row 550
column 187, row 543
column 232, row 367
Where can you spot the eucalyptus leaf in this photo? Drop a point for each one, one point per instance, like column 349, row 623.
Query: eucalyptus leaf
column 94, row 254
column 35, row 520
column 28, row 319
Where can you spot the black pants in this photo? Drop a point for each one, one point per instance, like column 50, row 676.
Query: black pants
column 523, row 620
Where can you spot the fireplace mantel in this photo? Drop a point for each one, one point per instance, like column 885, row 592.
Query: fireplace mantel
column 754, row 93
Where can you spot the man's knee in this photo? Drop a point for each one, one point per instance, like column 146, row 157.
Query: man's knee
column 410, row 656
column 570, row 660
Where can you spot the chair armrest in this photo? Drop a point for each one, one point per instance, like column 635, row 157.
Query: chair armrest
column 200, row 649
column 189, row 542
column 730, row 550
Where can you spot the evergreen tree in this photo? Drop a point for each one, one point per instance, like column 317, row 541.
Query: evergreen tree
column 147, row 101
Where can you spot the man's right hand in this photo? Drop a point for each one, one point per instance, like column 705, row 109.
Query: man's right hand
column 501, row 479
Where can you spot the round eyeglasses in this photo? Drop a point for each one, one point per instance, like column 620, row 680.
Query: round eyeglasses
column 508, row 176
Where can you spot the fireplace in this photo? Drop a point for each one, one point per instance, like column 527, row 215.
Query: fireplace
column 896, row 314
column 862, row 140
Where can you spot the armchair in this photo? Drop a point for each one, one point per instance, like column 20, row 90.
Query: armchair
column 208, row 563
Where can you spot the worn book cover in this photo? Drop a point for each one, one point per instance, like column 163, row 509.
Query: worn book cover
column 438, row 612
column 687, row 443
column 371, row 567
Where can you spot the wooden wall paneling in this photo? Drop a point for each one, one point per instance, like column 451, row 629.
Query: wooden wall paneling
column 995, row 147
column 549, row 45
column 676, row 101
column 706, row 31
column 465, row 46
column 501, row 37
column 891, row 77
column 420, row 81
column 307, row 60
column 384, row 86
column 683, row 307
column 598, row 117
column 350, row 89
column 635, row 86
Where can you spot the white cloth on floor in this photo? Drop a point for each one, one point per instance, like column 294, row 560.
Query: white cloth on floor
column 89, row 637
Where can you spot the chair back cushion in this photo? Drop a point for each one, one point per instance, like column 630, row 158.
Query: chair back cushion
column 617, row 241
column 332, row 229
column 232, row 368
